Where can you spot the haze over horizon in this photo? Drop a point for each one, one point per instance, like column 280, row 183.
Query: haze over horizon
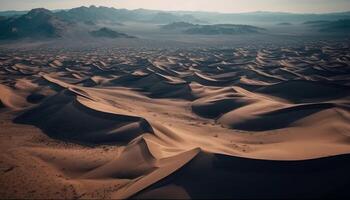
column 224, row 6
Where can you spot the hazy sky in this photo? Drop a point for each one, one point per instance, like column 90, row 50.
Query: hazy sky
column 298, row 6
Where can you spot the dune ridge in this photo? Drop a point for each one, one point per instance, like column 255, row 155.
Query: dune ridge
column 175, row 123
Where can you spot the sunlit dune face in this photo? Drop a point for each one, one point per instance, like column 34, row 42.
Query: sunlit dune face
column 105, row 103
column 177, row 124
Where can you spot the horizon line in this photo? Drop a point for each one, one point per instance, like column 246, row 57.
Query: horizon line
column 218, row 12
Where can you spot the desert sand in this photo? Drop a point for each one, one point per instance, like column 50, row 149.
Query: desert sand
column 116, row 123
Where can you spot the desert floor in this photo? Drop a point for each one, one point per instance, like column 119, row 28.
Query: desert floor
column 245, row 122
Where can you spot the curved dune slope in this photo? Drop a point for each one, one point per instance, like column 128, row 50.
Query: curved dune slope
column 64, row 116
column 238, row 178
column 249, row 122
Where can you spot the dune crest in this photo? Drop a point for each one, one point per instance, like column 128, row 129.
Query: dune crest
column 176, row 123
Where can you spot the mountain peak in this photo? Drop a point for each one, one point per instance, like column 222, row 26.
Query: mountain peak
column 36, row 23
column 109, row 33
column 39, row 11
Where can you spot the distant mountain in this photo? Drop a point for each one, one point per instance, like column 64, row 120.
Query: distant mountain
column 164, row 17
column 222, row 29
column 95, row 14
column 339, row 26
column 284, row 24
column 2, row 18
column 109, row 33
column 318, row 22
column 92, row 14
column 39, row 23
column 12, row 13
column 177, row 26
column 89, row 23
column 42, row 23
column 216, row 29
column 36, row 23
column 264, row 17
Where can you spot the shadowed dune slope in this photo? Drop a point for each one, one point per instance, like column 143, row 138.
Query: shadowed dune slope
column 218, row 176
column 63, row 116
column 306, row 91
column 255, row 121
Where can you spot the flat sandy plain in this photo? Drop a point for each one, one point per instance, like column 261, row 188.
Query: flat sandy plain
column 240, row 122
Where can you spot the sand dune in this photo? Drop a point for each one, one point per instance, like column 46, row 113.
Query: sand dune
column 234, row 177
column 248, row 122
column 11, row 99
column 58, row 115
column 301, row 91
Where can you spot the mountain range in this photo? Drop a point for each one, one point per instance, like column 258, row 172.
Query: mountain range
column 105, row 13
column 215, row 29
column 109, row 33
column 36, row 23
column 56, row 23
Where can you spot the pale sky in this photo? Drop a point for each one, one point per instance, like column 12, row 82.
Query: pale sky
column 233, row 6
